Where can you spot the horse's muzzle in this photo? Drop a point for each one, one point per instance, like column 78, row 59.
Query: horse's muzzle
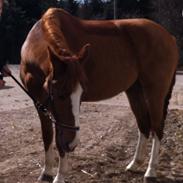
column 67, row 140
column 67, row 148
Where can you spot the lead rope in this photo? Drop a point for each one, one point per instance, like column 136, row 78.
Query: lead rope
column 42, row 107
column 39, row 106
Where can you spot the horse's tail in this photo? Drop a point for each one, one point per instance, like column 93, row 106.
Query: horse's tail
column 168, row 96
column 51, row 27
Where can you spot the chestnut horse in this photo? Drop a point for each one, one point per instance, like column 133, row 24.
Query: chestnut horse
column 72, row 60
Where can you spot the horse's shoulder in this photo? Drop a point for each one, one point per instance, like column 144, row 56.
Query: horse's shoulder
column 34, row 41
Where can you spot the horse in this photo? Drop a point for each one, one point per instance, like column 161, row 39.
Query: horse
column 66, row 61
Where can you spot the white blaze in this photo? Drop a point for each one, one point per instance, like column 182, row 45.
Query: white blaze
column 75, row 100
column 63, row 162
column 62, row 169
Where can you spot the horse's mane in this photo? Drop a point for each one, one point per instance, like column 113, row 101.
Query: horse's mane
column 51, row 26
column 59, row 51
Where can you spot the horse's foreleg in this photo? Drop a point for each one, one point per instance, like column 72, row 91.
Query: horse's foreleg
column 47, row 134
column 47, row 171
column 62, row 169
column 138, row 158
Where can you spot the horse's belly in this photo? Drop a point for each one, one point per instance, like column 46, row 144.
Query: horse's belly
column 97, row 96
column 105, row 87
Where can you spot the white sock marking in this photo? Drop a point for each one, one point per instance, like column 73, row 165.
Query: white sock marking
column 49, row 161
column 62, row 169
column 139, row 153
column 151, row 170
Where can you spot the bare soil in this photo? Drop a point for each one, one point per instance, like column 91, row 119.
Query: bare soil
column 108, row 140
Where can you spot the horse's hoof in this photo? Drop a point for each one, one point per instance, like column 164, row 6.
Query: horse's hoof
column 150, row 173
column 62, row 181
column 133, row 166
column 59, row 179
column 45, row 178
column 150, row 180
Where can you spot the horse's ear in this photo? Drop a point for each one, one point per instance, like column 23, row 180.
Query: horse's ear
column 84, row 52
column 67, row 57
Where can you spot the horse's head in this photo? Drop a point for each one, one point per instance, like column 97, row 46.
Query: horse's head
column 66, row 85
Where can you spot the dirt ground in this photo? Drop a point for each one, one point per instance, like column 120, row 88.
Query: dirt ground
column 108, row 140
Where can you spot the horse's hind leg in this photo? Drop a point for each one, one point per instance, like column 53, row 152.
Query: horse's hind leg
column 155, row 103
column 47, row 135
column 158, row 99
column 139, row 107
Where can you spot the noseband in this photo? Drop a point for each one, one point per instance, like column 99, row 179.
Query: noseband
column 47, row 113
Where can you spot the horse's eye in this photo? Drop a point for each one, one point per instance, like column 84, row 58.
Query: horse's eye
column 54, row 81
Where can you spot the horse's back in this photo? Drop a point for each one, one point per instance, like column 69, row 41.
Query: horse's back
column 145, row 39
column 154, row 47
column 149, row 39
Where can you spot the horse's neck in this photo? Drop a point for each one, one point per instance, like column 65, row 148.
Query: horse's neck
column 72, row 31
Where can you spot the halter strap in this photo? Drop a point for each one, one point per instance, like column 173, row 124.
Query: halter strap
column 67, row 127
column 46, row 112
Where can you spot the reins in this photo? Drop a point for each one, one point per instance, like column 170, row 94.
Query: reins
column 41, row 107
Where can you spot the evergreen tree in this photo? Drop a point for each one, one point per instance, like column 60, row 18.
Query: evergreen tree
column 17, row 19
column 69, row 5
column 169, row 14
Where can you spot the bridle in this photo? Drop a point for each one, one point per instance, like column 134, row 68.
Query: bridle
column 44, row 107
column 52, row 115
